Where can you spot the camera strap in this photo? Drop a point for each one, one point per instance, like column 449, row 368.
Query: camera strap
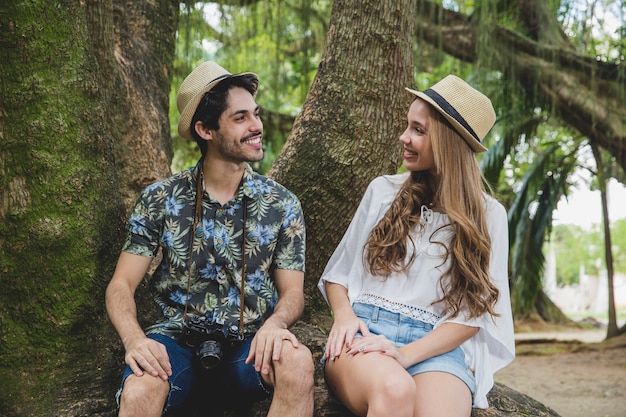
column 196, row 219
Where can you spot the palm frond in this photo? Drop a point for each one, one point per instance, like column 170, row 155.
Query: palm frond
column 530, row 221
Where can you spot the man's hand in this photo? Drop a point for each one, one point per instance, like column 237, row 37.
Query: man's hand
column 267, row 344
column 149, row 356
column 143, row 355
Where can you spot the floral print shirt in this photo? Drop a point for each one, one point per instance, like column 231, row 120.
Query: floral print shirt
column 274, row 239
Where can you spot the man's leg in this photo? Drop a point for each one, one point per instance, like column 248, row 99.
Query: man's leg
column 143, row 396
column 149, row 396
column 292, row 379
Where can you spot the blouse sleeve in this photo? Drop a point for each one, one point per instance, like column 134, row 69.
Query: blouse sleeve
column 345, row 266
column 493, row 347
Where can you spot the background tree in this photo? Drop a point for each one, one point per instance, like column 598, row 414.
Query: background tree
column 602, row 181
column 536, row 61
column 524, row 41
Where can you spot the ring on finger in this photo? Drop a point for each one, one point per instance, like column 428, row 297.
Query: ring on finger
column 362, row 349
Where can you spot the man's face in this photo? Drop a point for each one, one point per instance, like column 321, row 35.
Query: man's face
column 239, row 138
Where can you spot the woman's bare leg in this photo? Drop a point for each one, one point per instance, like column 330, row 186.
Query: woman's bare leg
column 372, row 385
column 440, row 394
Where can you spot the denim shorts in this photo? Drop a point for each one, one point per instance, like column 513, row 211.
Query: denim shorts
column 233, row 378
column 402, row 330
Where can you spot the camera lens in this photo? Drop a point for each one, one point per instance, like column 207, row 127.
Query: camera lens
column 210, row 354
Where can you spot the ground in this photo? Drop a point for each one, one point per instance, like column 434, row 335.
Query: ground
column 570, row 371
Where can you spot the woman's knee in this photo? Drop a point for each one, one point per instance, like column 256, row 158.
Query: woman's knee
column 392, row 392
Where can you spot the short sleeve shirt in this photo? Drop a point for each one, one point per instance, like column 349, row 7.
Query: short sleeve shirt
column 274, row 239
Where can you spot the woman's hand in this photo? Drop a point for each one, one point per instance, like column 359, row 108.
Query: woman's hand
column 380, row 344
column 342, row 333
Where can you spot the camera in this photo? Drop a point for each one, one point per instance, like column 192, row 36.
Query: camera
column 209, row 339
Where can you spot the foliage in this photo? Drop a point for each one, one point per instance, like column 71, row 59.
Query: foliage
column 576, row 248
column 596, row 27
column 530, row 220
column 534, row 162
column 280, row 41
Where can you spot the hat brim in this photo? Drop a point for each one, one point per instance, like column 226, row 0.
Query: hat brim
column 474, row 144
column 184, row 123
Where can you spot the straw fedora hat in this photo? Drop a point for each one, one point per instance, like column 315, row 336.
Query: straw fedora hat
column 202, row 79
column 468, row 110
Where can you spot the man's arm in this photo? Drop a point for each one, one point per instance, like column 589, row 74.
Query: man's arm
column 290, row 287
column 142, row 353
column 267, row 342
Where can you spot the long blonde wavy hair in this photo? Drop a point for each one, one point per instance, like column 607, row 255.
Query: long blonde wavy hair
column 460, row 193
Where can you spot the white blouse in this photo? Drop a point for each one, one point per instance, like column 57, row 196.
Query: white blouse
column 412, row 292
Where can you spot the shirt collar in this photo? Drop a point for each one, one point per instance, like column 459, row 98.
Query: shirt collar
column 250, row 187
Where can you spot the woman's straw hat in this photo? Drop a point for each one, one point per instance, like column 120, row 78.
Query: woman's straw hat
column 468, row 110
column 206, row 76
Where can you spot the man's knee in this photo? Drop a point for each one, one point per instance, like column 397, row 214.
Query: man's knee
column 145, row 389
column 295, row 365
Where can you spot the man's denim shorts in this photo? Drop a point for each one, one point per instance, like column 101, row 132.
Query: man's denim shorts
column 402, row 330
column 232, row 377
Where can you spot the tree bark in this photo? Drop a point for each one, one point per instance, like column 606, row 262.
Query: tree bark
column 144, row 52
column 611, row 330
column 59, row 190
column 81, row 122
column 347, row 131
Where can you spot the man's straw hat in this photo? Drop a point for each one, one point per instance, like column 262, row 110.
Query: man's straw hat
column 206, row 76
column 468, row 110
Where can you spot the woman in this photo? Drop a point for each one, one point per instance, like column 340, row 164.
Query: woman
column 418, row 285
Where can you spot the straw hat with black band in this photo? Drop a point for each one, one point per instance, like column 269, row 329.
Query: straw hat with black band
column 468, row 110
column 202, row 79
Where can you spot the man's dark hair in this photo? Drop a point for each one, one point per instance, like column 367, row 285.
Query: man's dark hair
column 213, row 104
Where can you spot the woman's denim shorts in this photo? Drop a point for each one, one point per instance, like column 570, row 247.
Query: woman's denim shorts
column 402, row 330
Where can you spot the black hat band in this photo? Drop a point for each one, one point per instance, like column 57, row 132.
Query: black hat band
column 451, row 111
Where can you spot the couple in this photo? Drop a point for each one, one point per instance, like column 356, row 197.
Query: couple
column 418, row 285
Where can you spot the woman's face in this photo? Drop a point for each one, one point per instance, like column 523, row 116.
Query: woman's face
column 418, row 152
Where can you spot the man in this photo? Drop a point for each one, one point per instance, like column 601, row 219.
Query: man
column 215, row 223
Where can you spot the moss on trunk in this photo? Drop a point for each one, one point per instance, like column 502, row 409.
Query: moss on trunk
column 59, row 207
column 62, row 212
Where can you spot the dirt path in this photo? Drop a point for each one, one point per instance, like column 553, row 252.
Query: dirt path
column 570, row 373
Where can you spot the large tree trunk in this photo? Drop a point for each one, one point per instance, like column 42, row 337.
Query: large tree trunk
column 144, row 51
column 348, row 129
column 70, row 118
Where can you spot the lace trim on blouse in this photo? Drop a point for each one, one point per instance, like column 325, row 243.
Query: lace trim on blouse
column 403, row 309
